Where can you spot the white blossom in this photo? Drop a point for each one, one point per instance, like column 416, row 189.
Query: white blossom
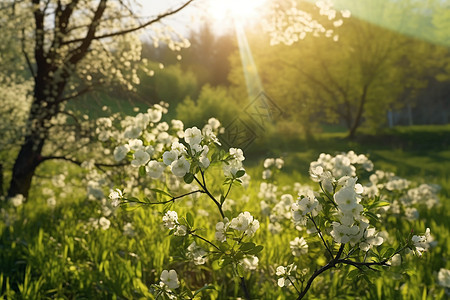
column 170, row 279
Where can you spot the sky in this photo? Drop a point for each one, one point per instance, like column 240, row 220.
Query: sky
column 199, row 11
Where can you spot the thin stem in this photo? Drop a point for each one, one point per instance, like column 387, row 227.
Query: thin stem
column 205, row 190
column 290, row 280
column 321, row 236
column 203, row 178
column 229, row 189
column 328, row 196
column 206, row 241
column 244, row 288
column 163, row 202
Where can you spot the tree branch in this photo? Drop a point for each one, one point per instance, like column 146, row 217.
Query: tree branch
column 24, row 52
column 163, row 202
column 76, row 162
column 130, row 30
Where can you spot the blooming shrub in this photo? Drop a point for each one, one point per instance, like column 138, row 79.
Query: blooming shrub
column 342, row 217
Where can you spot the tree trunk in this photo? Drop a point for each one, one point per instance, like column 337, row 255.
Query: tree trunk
column 24, row 167
column 356, row 123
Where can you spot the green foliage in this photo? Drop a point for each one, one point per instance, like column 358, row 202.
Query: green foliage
column 59, row 253
column 212, row 102
column 170, row 84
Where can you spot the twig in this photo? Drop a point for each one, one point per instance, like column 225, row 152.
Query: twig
column 163, row 202
column 206, row 241
column 328, row 196
column 244, row 288
column 320, row 234
column 219, row 206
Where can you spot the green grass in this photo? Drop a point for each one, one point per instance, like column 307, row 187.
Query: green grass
column 54, row 253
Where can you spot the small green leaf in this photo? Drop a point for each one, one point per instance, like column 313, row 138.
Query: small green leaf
column 382, row 203
column 190, row 219
column 240, row 173
column 216, row 265
column 247, row 246
column 142, row 171
column 239, row 255
column 128, row 207
column 240, row 270
column 224, row 247
column 389, row 252
column 158, row 191
column 188, row 178
column 222, row 199
column 353, row 274
column 256, row 250
column 206, row 287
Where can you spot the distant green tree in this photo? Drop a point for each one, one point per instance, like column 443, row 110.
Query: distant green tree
column 208, row 56
column 212, row 102
column 170, row 84
column 355, row 77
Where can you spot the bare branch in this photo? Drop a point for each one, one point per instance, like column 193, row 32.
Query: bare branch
column 78, row 163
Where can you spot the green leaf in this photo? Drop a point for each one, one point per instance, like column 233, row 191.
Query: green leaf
column 247, row 246
column 188, row 178
column 353, row 274
column 222, row 199
column 240, row 270
column 206, row 287
column 256, row 250
column 133, row 199
column 240, row 173
column 371, row 215
column 128, row 207
column 190, row 219
column 381, row 203
column 216, row 265
column 239, row 256
column 226, row 261
column 224, row 247
column 158, row 191
column 142, row 172
column 389, row 252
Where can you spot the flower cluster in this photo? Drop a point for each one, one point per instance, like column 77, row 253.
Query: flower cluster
column 197, row 254
column 305, row 205
column 170, row 220
column 234, row 163
column 270, row 165
column 420, row 242
column 328, row 167
column 287, row 275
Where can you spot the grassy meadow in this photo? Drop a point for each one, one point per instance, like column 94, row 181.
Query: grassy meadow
column 61, row 252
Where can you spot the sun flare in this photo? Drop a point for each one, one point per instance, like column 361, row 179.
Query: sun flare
column 240, row 9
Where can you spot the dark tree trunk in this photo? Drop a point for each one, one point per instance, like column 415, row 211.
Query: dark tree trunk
column 25, row 166
column 357, row 121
